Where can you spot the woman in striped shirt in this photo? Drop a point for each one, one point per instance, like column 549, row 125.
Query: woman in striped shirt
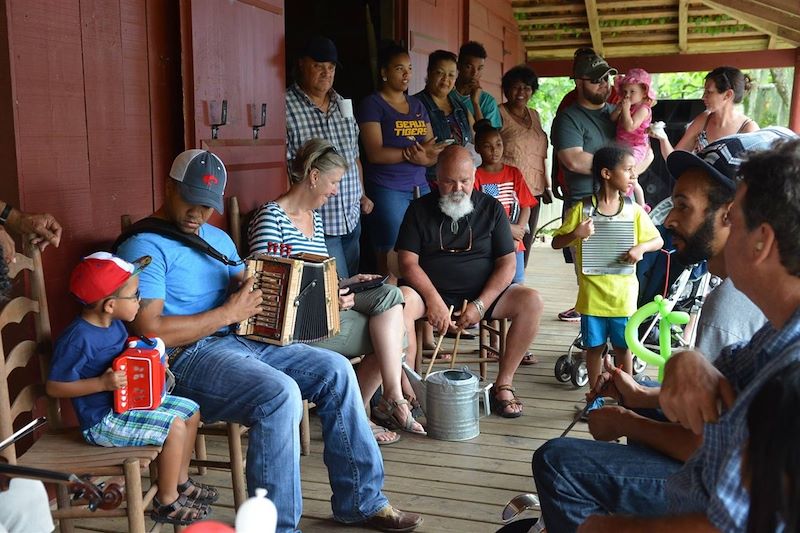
column 372, row 320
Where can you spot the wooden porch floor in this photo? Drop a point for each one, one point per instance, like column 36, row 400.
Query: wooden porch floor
column 456, row 486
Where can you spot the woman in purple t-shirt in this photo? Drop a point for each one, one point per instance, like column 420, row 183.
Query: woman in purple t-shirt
column 399, row 145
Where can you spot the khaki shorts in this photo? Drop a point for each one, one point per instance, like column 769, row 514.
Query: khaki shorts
column 353, row 339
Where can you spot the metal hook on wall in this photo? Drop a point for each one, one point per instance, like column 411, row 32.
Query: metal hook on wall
column 217, row 119
column 255, row 121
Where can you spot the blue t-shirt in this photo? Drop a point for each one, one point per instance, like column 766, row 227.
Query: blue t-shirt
column 187, row 280
column 397, row 130
column 85, row 351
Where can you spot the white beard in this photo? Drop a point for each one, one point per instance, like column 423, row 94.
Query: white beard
column 456, row 205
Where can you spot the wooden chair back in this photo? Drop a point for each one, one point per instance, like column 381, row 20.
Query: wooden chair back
column 36, row 349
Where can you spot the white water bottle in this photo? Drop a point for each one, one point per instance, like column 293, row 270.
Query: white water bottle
column 257, row 514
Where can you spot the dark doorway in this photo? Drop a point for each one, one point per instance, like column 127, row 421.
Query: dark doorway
column 355, row 26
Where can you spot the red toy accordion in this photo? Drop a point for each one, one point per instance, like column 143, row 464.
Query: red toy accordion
column 144, row 362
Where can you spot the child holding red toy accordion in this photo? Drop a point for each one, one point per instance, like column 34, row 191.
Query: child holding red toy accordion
column 84, row 369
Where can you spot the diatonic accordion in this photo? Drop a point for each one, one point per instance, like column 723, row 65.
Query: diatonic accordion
column 301, row 299
column 602, row 252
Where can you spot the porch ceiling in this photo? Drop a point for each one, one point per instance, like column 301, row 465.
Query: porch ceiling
column 553, row 29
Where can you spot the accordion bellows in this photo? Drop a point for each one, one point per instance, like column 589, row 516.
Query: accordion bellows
column 301, row 299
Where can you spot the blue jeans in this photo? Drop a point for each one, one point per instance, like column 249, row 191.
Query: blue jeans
column 519, row 274
column 387, row 215
column 260, row 385
column 346, row 249
column 576, row 478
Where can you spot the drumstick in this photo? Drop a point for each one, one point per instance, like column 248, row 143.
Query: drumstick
column 458, row 337
column 438, row 345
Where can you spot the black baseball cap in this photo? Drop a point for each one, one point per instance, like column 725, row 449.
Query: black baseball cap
column 722, row 158
column 320, row 49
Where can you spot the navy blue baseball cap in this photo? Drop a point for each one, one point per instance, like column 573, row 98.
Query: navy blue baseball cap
column 320, row 49
column 722, row 158
column 202, row 178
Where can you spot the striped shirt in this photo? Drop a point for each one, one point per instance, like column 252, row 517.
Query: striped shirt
column 711, row 480
column 271, row 224
column 305, row 121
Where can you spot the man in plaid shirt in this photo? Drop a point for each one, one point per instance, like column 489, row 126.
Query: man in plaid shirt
column 315, row 110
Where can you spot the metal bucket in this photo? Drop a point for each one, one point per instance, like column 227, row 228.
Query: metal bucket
column 452, row 405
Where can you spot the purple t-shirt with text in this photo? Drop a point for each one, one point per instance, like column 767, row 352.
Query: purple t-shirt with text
column 397, row 129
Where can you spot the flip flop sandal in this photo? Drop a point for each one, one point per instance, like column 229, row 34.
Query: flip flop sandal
column 380, row 430
column 198, row 492
column 529, row 359
column 499, row 406
column 180, row 512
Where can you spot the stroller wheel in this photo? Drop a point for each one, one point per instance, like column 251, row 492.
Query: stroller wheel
column 580, row 376
column 639, row 366
column 563, row 369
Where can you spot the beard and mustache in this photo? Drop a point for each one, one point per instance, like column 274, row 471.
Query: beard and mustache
column 456, row 205
column 599, row 97
column 697, row 247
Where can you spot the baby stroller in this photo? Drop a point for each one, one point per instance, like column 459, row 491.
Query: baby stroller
column 687, row 287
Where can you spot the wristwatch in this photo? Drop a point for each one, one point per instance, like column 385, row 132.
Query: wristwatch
column 5, row 214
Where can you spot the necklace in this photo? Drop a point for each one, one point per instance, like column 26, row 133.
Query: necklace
column 523, row 117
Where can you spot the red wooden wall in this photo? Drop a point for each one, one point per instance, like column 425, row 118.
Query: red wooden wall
column 447, row 24
column 80, row 130
column 432, row 25
column 235, row 51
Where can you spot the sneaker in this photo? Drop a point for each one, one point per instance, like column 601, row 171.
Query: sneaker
column 570, row 315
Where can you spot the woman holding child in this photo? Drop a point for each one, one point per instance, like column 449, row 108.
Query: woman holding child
column 372, row 320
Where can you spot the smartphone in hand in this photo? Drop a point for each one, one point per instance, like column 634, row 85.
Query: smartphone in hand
column 361, row 286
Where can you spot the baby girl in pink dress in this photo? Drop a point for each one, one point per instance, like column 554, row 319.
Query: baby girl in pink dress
column 633, row 115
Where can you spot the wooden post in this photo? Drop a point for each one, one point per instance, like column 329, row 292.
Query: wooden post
column 794, row 109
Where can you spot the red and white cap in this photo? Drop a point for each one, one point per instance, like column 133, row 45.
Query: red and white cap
column 98, row 275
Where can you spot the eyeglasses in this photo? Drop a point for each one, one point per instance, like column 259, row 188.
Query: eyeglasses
column 596, row 81
column 136, row 296
column 455, row 250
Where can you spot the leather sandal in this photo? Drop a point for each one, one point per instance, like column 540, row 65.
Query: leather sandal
column 499, row 406
column 198, row 492
column 388, row 414
column 181, row 512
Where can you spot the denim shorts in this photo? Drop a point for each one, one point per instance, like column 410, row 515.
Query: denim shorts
column 596, row 330
column 387, row 215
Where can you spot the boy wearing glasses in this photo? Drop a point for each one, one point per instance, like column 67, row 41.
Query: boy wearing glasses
column 108, row 288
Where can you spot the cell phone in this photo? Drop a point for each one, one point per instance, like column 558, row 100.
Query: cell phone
column 361, row 286
column 446, row 142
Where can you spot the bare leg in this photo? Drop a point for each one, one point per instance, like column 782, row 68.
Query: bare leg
column 170, row 461
column 413, row 310
column 524, row 307
column 368, row 373
column 188, row 446
column 624, row 358
column 594, row 363
column 386, row 332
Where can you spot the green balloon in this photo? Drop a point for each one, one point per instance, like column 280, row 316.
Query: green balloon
column 668, row 318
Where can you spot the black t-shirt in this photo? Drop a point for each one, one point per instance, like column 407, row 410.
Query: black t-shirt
column 459, row 264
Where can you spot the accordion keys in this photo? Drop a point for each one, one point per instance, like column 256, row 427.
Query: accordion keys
column 301, row 299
